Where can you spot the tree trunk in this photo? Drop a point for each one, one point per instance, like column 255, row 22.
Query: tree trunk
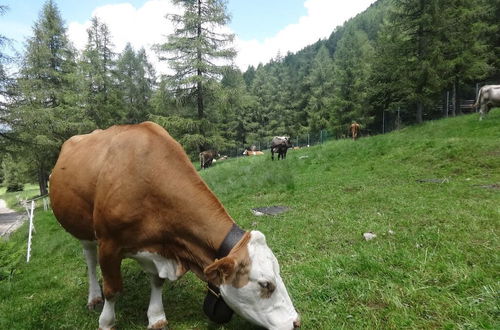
column 454, row 99
column 42, row 181
column 199, row 85
column 420, row 110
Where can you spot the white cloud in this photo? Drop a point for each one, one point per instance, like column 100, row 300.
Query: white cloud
column 321, row 19
column 146, row 26
column 142, row 27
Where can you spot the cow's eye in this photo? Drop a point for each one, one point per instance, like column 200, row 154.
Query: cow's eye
column 267, row 288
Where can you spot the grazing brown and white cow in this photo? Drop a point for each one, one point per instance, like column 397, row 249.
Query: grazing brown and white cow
column 207, row 157
column 250, row 152
column 280, row 145
column 487, row 98
column 131, row 192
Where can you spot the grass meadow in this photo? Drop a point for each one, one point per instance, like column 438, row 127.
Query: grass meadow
column 435, row 262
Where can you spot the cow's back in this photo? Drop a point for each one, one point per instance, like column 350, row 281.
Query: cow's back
column 108, row 174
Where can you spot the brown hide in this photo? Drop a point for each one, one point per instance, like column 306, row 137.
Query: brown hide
column 207, row 157
column 133, row 188
column 354, row 128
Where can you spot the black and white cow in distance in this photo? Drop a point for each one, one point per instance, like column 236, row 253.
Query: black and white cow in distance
column 487, row 98
column 280, row 145
column 207, row 157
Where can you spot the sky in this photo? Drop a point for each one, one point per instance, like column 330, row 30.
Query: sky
column 262, row 28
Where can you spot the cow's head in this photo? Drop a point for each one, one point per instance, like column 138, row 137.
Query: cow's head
column 250, row 283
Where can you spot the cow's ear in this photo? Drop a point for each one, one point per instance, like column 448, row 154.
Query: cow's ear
column 221, row 270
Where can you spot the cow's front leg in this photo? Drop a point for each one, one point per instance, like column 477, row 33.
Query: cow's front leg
column 90, row 252
column 107, row 318
column 156, row 314
column 110, row 259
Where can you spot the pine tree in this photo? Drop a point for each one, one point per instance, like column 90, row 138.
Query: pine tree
column 45, row 113
column 465, row 52
column 351, row 72
column 233, row 102
column 136, row 78
column 5, row 80
column 320, row 84
column 101, row 95
column 492, row 14
column 415, row 56
column 193, row 51
column 264, row 88
column 389, row 88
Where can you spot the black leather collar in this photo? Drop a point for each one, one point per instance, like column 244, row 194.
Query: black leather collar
column 214, row 306
column 231, row 239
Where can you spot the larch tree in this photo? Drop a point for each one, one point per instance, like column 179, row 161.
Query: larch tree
column 418, row 59
column 101, row 96
column 465, row 52
column 320, row 83
column 5, row 80
column 198, row 52
column 45, row 112
column 351, row 71
column 137, row 79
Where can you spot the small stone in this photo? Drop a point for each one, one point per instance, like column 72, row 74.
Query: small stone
column 369, row 236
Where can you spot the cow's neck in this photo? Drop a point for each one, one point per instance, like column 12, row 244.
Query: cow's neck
column 208, row 224
column 203, row 248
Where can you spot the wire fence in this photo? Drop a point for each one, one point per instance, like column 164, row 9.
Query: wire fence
column 298, row 141
column 385, row 121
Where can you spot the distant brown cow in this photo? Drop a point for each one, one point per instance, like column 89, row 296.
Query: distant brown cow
column 207, row 157
column 354, row 128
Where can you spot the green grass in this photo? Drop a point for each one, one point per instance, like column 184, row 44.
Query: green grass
column 440, row 268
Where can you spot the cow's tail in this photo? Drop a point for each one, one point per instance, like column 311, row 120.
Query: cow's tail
column 478, row 98
column 201, row 160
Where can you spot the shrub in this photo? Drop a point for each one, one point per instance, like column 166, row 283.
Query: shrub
column 12, row 173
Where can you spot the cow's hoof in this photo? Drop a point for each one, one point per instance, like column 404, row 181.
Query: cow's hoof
column 96, row 303
column 160, row 325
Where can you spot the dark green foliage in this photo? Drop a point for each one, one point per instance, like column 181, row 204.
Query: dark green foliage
column 386, row 68
column 5, row 80
column 136, row 78
column 46, row 111
column 101, row 97
column 11, row 255
column 192, row 52
column 13, row 174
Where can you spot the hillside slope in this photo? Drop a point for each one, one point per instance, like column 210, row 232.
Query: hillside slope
column 430, row 193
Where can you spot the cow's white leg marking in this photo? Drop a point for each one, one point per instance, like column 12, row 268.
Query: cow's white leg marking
column 107, row 318
column 159, row 268
column 90, row 252
column 156, row 314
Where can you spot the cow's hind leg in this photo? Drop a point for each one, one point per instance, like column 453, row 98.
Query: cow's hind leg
column 90, row 252
column 483, row 110
column 110, row 259
column 156, row 314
